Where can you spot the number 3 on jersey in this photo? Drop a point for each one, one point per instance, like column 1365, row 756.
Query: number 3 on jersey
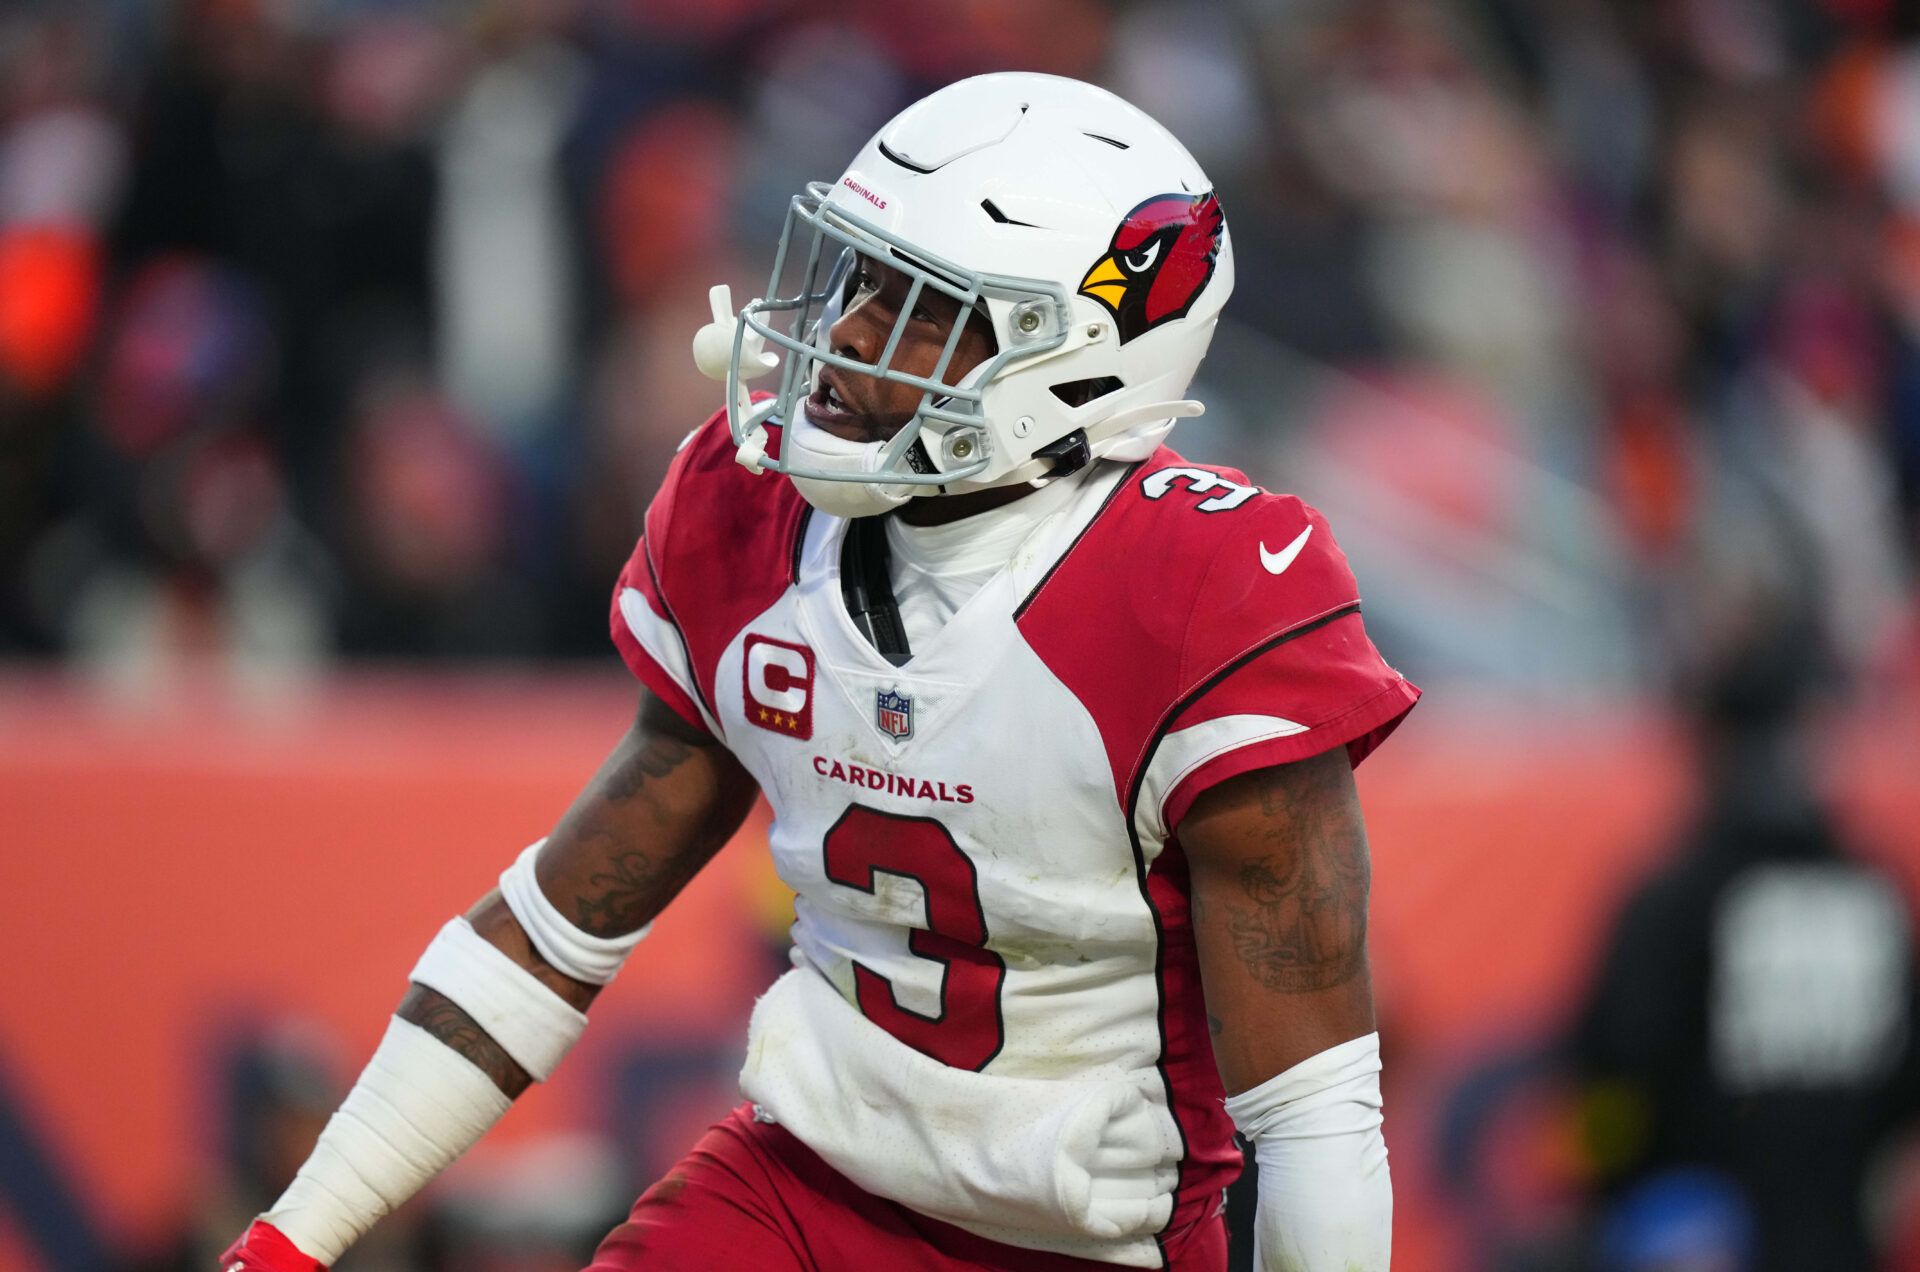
column 968, row 1031
column 1201, row 482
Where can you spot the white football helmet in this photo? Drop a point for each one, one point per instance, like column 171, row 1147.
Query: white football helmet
column 1083, row 230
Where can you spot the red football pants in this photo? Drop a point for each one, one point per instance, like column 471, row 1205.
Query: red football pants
column 751, row 1196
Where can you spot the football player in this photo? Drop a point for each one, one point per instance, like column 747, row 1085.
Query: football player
column 1058, row 729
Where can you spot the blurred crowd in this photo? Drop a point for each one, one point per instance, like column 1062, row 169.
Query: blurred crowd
column 349, row 328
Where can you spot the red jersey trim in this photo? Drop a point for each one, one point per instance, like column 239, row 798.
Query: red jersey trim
column 1137, row 777
column 716, row 555
column 644, row 666
column 1184, row 1036
column 650, row 674
column 1360, row 729
column 680, row 634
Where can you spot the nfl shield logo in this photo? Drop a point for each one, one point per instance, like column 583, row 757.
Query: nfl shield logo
column 893, row 711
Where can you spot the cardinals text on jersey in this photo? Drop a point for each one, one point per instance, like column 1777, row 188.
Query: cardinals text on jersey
column 985, row 841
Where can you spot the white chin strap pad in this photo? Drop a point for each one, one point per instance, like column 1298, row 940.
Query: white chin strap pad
column 808, row 445
column 566, row 948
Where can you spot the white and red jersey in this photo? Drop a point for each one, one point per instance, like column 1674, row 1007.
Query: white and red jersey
column 985, row 841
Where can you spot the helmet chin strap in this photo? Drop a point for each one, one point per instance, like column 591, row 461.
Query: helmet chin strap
column 807, row 442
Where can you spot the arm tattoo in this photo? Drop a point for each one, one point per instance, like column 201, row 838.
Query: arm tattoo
column 656, row 760
column 608, row 905
column 627, row 886
column 433, row 1012
column 629, row 889
column 1299, row 917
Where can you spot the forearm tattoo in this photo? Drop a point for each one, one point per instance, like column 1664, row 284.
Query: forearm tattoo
column 1298, row 916
column 630, row 889
column 433, row 1012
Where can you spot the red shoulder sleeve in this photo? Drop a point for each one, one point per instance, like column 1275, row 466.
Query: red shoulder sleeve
column 650, row 641
column 1309, row 690
column 1229, row 637
column 719, row 549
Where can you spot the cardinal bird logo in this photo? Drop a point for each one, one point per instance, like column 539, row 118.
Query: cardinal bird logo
column 1160, row 258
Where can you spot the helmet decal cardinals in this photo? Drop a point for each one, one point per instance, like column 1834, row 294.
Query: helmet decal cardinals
column 1162, row 255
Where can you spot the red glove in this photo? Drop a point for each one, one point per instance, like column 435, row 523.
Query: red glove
column 264, row 1248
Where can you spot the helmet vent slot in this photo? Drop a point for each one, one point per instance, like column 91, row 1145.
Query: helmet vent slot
column 992, row 209
column 1081, row 392
column 1111, row 141
column 903, row 161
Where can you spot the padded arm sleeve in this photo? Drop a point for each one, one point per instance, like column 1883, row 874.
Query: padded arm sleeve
column 1326, row 1199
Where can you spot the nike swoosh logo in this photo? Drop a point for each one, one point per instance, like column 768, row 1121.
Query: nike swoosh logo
column 1277, row 562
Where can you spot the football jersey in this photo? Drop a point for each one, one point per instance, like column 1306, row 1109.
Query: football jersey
column 984, row 841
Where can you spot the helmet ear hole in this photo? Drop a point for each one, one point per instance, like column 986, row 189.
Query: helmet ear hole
column 1081, row 392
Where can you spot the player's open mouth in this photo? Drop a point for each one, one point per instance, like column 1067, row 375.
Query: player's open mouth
column 830, row 411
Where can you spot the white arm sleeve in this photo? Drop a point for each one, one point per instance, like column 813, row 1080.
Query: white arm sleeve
column 417, row 1106
column 567, row 949
column 1326, row 1200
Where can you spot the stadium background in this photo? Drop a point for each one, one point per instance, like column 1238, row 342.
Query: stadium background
column 342, row 344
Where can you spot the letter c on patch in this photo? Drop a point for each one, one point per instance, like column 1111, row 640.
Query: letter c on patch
column 778, row 680
column 778, row 676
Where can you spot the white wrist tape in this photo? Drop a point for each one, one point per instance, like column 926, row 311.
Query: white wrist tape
column 417, row 1106
column 1326, row 1199
column 566, row 948
column 531, row 1023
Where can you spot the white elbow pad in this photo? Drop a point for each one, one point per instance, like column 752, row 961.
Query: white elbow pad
column 1326, row 1199
column 567, row 949
column 531, row 1023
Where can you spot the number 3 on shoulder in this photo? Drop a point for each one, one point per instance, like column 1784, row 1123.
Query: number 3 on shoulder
column 1201, row 482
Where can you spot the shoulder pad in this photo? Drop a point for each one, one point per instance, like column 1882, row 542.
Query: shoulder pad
column 722, row 541
column 709, row 502
column 1200, row 565
column 1188, row 571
